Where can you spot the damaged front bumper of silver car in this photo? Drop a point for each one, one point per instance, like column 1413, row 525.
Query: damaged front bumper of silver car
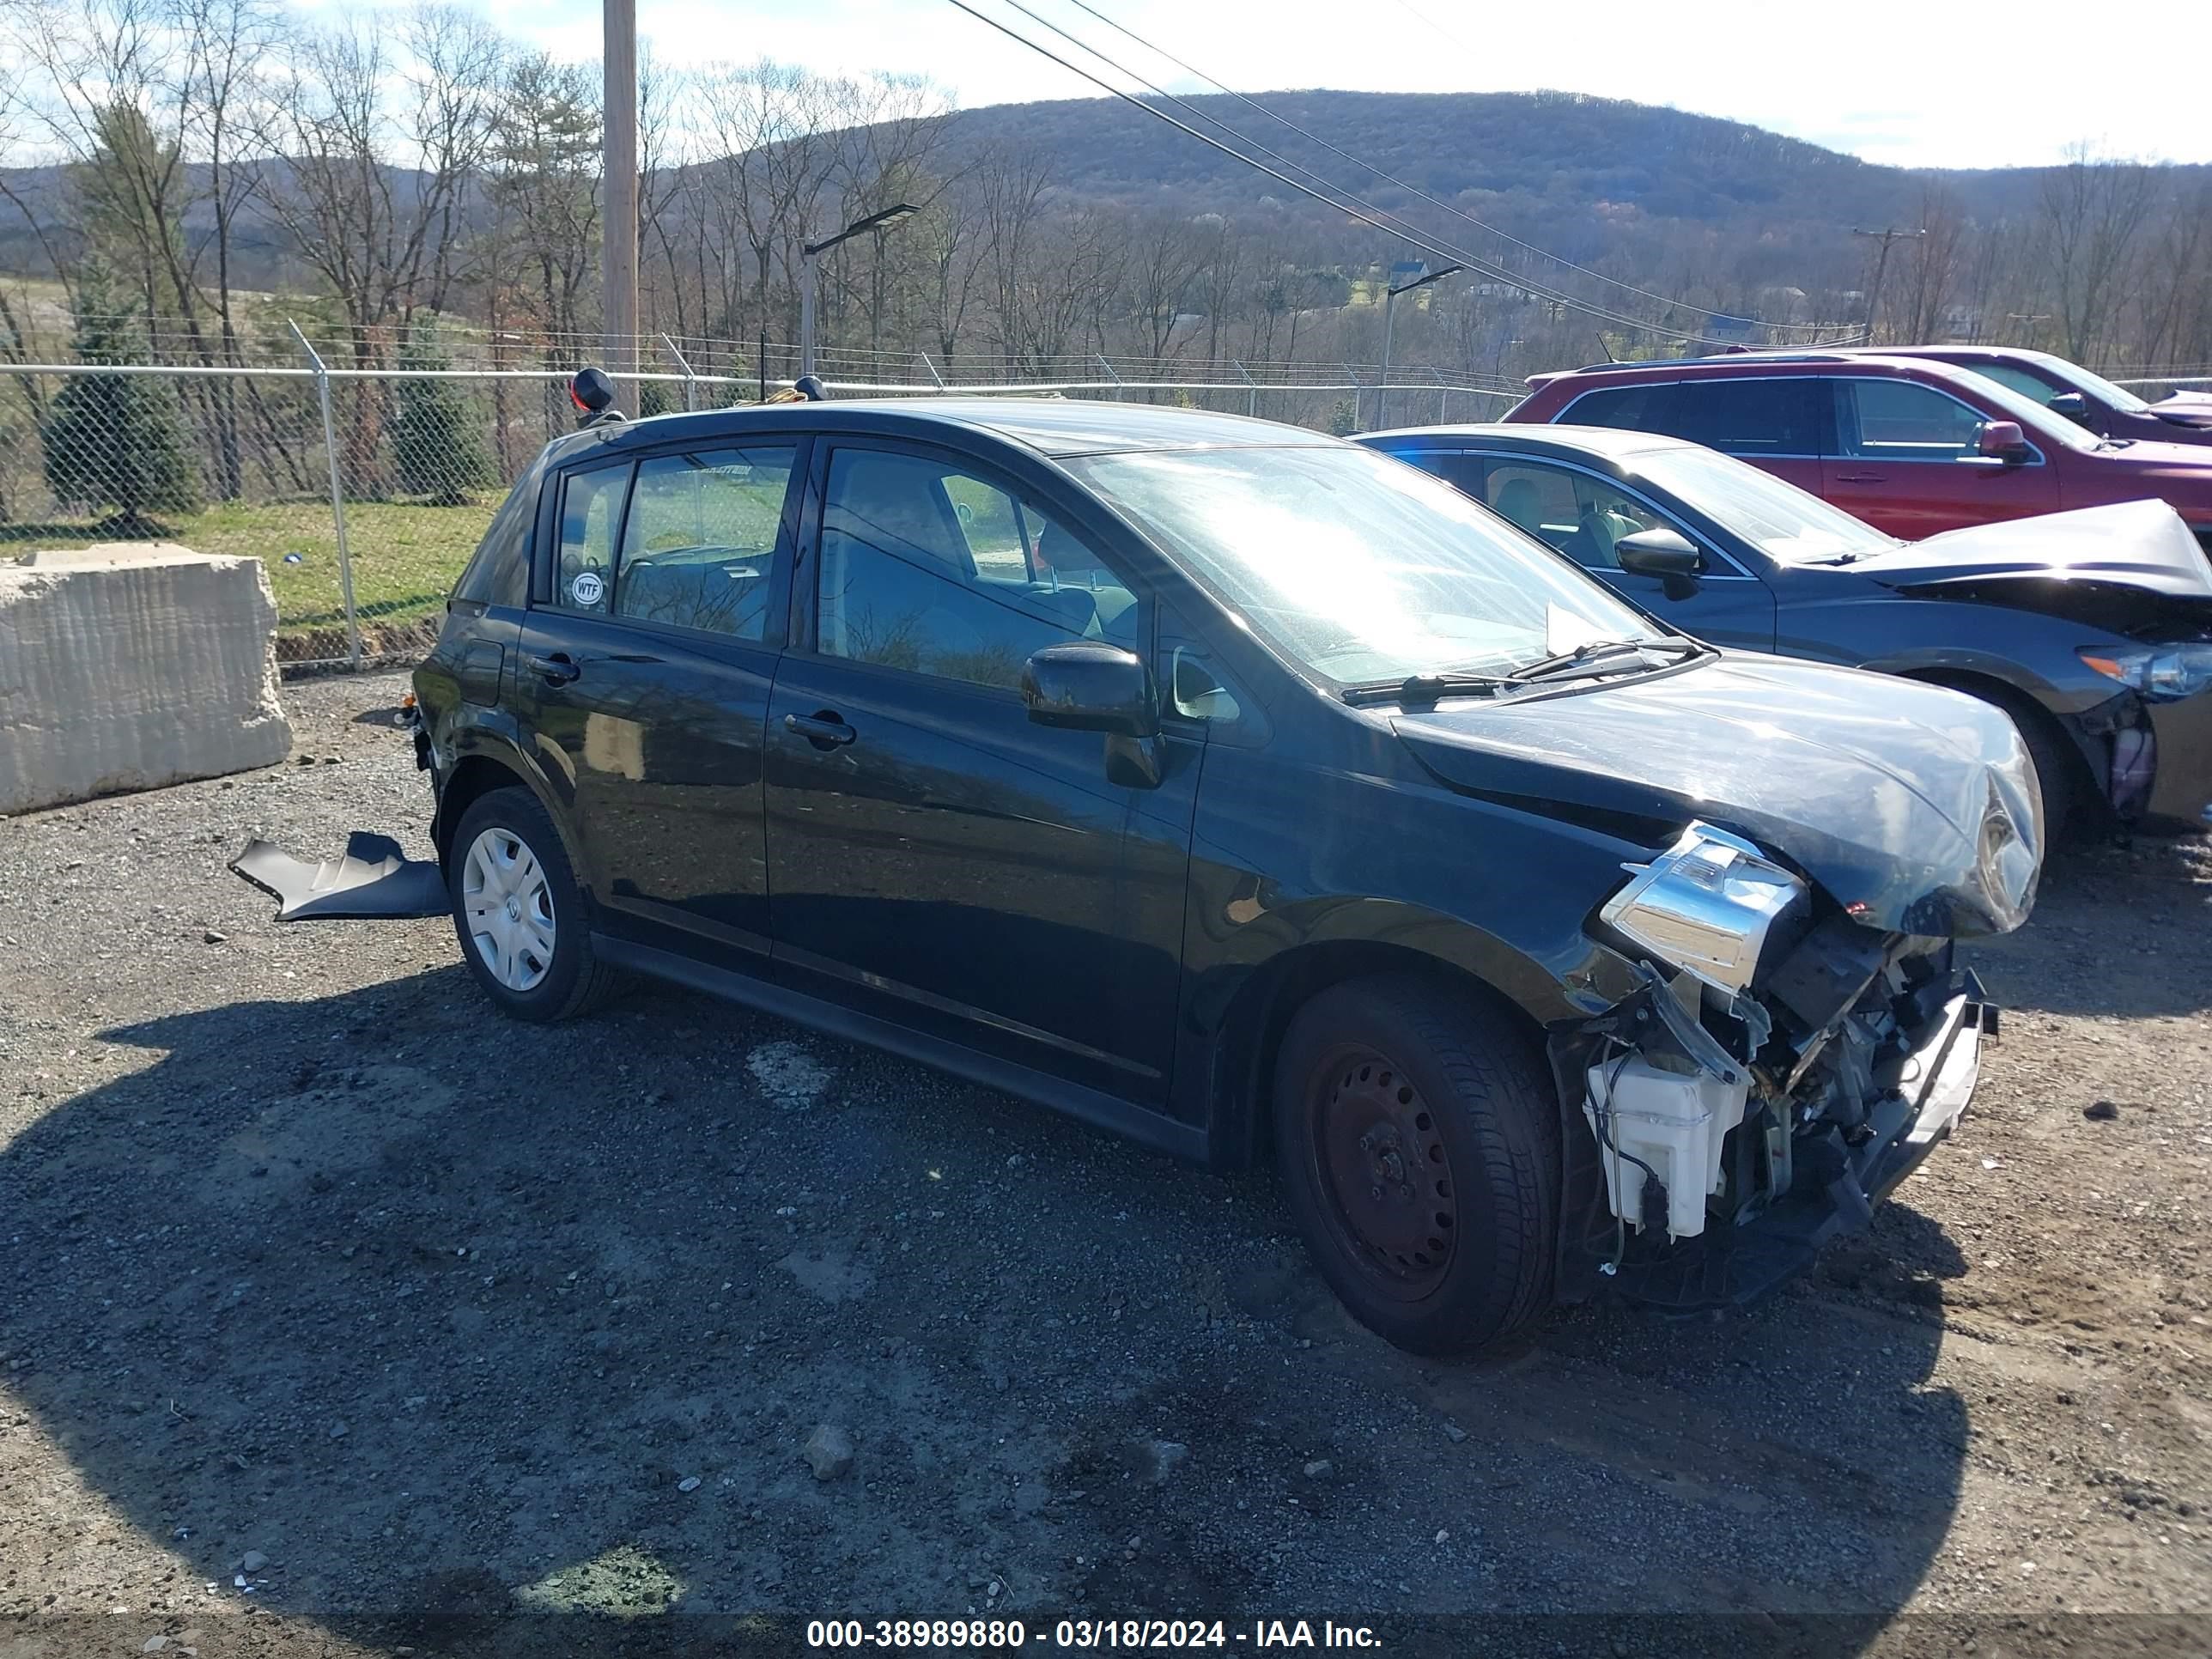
column 1780, row 1068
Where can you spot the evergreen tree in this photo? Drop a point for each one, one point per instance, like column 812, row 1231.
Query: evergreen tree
column 118, row 441
column 437, row 438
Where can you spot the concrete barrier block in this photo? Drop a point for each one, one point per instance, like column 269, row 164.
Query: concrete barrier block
column 131, row 665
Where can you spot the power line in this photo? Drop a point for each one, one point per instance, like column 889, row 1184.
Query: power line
column 1415, row 190
column 1412, row 10
column 1351, row 205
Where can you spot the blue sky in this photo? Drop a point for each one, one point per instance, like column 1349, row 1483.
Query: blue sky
column 1912, row 84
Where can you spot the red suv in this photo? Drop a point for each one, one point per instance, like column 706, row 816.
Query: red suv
column 1912, row 445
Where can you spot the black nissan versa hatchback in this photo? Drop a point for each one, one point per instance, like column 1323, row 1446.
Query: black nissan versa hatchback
column 1248, row 792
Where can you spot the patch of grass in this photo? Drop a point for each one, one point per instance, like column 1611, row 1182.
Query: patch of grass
column 405, row 555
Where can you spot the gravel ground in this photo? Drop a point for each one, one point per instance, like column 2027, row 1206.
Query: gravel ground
column 321, row 1277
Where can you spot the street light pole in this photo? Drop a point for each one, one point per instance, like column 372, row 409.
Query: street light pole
column 812, row 252
column 1390, row 299
column 618, row 249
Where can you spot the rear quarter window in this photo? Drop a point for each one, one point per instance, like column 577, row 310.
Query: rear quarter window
column 498, row 572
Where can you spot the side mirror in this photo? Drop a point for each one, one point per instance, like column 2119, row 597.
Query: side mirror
column 1667, row 554
column 1088, row 685
column 2001, row 441
column 2073, row 405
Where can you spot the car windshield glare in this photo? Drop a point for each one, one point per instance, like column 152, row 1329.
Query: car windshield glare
column 2038, row 421
column 1789, row 524
column 1357, row 568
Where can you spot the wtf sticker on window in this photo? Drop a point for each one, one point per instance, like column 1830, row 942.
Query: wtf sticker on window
column 587, row 589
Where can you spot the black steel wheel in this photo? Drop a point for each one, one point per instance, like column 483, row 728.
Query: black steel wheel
column 1418, row 1140
column 1383, row 1168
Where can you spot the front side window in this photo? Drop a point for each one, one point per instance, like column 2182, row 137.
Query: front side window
column 1537, row 499
column 931, row 568
column 1900, row 421
column 1355, row 567
column 699, row 547
column 1581, row 516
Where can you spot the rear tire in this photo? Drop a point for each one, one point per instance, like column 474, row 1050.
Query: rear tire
column 524, row 924
column 1418, row 1140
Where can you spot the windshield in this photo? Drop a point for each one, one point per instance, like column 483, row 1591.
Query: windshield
column 1789, row 524
column 1358, row 567
column 2095, row 384
column 2037, row 420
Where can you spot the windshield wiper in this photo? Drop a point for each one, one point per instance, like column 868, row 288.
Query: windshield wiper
column 1596, row 652
column 1423, row 688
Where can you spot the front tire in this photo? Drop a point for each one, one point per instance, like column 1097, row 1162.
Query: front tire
column 1417, row 1141
column 523, row 922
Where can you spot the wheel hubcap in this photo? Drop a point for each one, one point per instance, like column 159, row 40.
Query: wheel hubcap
column 509, row 906
column 1386, row 1172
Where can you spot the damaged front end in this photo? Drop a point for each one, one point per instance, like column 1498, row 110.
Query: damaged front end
column 1780, row 1068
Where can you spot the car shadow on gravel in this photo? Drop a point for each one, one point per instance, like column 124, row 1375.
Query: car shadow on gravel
column 417, row 1320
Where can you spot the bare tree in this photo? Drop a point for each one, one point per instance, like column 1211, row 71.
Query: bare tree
column 1166, row 254
column 371, row 195
column 2091, row 213
column 1931, row 272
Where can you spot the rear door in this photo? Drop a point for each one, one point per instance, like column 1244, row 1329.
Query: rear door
column 935, row 857
column 1907, row 461
column 1778, row 422
column 647, row 662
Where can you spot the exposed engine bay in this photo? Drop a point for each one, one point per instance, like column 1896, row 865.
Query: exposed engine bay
column 1781, row 1068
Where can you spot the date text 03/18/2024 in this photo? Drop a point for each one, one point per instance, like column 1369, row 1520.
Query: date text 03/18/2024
column 987, row 1635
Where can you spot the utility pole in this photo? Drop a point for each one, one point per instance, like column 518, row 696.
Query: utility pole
column 619, row 250
column 1881, row 265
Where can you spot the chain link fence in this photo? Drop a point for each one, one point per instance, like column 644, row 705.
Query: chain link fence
column 364, row 490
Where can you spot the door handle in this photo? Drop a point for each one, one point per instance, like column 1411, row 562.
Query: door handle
column 1860, row 477
column 823, row 728
column 558, row 669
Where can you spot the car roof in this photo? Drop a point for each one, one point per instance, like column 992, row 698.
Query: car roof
column 1980, row 353
column 1614, row 443
column 1751, row 364
column 1059, row 428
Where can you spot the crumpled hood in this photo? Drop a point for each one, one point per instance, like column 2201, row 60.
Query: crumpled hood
column 1910, row 804
column 2141, row 543
column 2185, row 409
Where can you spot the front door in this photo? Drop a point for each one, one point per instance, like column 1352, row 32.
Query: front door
column 935, row 857
column 646, row 663
column 1908, row 460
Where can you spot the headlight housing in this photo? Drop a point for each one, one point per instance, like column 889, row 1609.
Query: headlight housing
column 1706, row 905
column 2161, row 673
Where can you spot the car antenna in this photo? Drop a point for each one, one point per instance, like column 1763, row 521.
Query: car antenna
column 1603, row 347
